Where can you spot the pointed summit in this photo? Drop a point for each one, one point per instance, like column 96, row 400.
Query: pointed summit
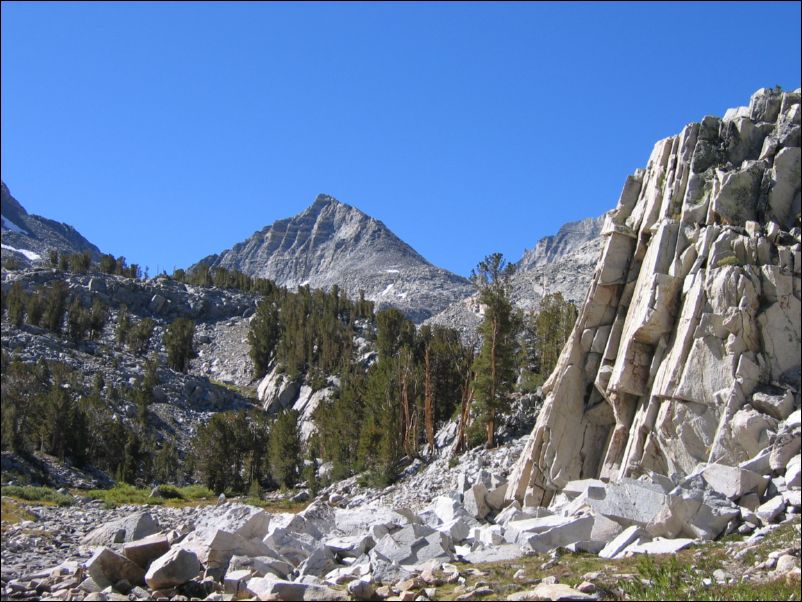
column 331, row 243
column 326, row 199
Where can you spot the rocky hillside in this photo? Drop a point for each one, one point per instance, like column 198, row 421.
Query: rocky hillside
column 331, row 243
column 687, row 350
column 180, row 402
column 28, row 238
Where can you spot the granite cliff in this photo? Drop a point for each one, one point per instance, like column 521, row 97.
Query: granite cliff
column 687, row 349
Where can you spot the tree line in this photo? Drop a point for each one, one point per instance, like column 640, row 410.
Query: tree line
column 389, row 404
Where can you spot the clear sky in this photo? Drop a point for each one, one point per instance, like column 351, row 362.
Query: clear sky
column 166, row 132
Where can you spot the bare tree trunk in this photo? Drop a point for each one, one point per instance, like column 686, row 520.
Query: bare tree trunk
column 428, row 408
column 491, row 403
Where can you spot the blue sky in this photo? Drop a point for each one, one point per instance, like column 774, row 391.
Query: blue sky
column 165, row 132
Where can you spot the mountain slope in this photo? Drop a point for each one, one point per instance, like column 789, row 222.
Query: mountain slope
column 29, row 237
column 331, row 243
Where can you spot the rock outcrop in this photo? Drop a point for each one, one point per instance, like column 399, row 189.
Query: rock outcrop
column 687, row 349
column 28, row 238
column 331, row 243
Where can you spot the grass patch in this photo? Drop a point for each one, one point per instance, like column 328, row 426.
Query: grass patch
column 122, row 493
column 169, row 495
column 13, row 512
column 286, row 505
column 42, row 495
column 247, row 392
column 777, row 589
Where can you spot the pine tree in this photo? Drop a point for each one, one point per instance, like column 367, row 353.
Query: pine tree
column 284, row 449
column 123, row 326
column 77, row 321
column 495, row 365
column 138, row 337
column 97, row 318
column 179, row 342
column 35, row 307
column 15, row 304
column 553, row 325
column 263, row 336
column 55, row 300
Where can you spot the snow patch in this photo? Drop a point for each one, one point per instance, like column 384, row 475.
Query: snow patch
column 392, row 271
column 387, row 290
column 29, row 254
column 9, row 225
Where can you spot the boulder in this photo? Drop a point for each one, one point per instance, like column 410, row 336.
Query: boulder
column 106, row 567
column 733, row 482
column 362, row 589
column 572, row 531
column 246, row 521
column 658, row 546
column 627, row 537
column 235, row 582
column 497, row 553
column 785, row 447
column 769, row 511
column 694, row 511
column 760, row 464
column 265, row 588
column 262, row 566
column 173, row 569
column 319, row 562
column 458, row 529
column 447, row 508
column 350, row 547
column 627, row 502
column 293, row 547
column 475, row 503
column 359, row 520
column 778, row 406
column 214, row 548
column 793, row 472
column 551, row 591
column 144, row 551
column 130, row 528
column 495, row 497
column 489, row 535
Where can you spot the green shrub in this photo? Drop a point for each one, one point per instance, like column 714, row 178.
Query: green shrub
column 196, row 492
column 38, row 494
column 122, row 493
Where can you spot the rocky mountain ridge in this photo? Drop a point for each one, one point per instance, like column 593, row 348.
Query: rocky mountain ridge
column 28, row 238
column 561, row 263
column 331, row 243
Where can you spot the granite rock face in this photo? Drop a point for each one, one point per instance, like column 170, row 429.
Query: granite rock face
column 691, row 327
column 28, row 238
column 331, row 243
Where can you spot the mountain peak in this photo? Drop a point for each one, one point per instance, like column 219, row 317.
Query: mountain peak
column 29, row 237
column 330, row 243
column 326, row 199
